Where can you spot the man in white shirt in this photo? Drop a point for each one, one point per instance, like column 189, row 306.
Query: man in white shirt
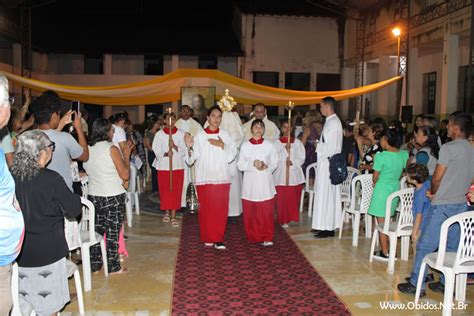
column 272, row 132
column 327, row 200
column 188, row 125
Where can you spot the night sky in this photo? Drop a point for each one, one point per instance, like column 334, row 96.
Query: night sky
column 151, row 27
column 96, row 27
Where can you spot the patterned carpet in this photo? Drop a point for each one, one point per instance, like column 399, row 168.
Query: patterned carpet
column 247, row 278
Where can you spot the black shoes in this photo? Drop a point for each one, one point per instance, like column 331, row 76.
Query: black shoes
column 324, row 233
column 436, row 287
column 407, row 288
column 429, row 278
column 382, row 255
column 219, row 246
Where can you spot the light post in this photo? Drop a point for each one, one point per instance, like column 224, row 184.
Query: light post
column 397, row 32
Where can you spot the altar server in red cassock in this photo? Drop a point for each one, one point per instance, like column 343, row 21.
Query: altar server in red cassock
column 258, row 159
column 213, row 150
column 288, row 196
column 166, row 147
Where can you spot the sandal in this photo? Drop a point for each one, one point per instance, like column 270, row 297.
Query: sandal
column 174, row 222
column 121, row 271
column 166, row 218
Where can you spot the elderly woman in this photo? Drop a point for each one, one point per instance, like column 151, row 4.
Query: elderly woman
column 108, row 173
column 45, row 200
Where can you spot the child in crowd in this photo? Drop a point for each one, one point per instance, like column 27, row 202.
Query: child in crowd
column 417, row 175
column 170, row 149
column 288, row 194
column 427, row 154
column 258, row 159
column 388, row 168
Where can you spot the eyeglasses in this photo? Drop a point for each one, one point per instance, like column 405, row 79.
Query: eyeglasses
column 10, row 100
column 52, row 146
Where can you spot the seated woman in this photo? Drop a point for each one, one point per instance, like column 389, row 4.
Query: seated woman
column 45, row 200
column 374, row 135
column 108, row 174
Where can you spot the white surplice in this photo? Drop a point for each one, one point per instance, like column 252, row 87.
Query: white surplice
column 189, row 126
column 231, row 123
column 258, row 185
column 327, row 200
column 297, row 157
column 192, row 127
column 272, row 133
column 160, row 146
column 212, row 162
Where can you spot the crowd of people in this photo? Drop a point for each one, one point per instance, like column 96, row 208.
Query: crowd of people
column 252, row 167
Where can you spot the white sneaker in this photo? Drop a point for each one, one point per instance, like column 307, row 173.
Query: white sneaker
column 219, row 246
column 208, row 244
column 267, row 243
column 285, row 226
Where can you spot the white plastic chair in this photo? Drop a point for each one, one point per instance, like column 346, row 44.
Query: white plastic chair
column 85, row 187
column 72, row 270
column 454, row 265
column 359, row 207
column 89, row 238
column 346, row 190
column 402, row 227
column 308, row 189
column 132, row 196
column 346, row 185
column 404, row 183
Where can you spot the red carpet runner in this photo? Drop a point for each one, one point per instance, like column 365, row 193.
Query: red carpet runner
column 247, row 278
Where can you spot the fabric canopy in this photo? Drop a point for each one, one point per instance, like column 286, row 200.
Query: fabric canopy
column 167, row 88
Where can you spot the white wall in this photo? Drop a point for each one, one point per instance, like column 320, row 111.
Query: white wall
column 290, row 44
column 191, row 62
column 227, row 65
column 428, row 60
column 66, row 63
column 128, row 64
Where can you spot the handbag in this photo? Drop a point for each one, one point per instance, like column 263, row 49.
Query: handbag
column 337, row 167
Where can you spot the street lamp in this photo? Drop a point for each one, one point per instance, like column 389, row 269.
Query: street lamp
column 396, row 31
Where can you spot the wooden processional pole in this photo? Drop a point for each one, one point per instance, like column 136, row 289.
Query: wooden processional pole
column 289, row 107
column 170, row 159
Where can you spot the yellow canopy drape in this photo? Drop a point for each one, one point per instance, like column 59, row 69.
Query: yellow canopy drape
column 167, row 88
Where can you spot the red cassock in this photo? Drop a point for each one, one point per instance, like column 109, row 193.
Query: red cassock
column 259, row 220
column 170, row 199
column 213, row 211
column 287, row 203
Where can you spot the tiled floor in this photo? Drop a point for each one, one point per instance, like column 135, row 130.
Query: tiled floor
column 153, row 245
